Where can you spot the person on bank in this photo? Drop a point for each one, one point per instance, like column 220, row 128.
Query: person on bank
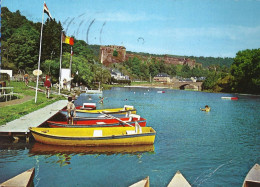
column 26, row 79
column 47, row 85
column 71, row 110
column 207, row 108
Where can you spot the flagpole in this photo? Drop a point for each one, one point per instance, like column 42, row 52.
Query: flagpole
column 101, row 68
column 70, row 65
column 39, row 61
column 60, row 61
column 102, row 57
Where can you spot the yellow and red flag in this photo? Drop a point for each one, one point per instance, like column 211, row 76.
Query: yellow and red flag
column 67, row 39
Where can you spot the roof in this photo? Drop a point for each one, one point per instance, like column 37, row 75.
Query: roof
column 162, row 75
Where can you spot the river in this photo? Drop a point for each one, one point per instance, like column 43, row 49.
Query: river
column 215, row 148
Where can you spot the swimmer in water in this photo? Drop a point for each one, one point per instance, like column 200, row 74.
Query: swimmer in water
column 207, row 108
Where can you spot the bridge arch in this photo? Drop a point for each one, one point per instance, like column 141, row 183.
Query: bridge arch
column 182, row 87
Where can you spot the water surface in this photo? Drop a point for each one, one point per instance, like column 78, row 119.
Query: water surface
column 215, row 148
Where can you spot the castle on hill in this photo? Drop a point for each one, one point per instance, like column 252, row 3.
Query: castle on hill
column 117, row 54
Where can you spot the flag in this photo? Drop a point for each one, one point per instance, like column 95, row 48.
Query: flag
column 67, row 39
column 46, row 10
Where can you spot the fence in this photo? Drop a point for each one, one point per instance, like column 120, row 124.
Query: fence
column 7, row 92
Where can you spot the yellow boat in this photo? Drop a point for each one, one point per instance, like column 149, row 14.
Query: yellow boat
column 126, row 109
column 95, row 136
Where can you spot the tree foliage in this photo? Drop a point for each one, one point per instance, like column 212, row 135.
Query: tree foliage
column 210, row 81
column 21, row 42
column 246, row 71
column 20, row 48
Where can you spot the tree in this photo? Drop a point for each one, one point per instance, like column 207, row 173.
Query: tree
column 22, row 47
column 186, row 71
column 153, row 70
column 224, row 84
column 51, row 40
column 210, row 81
column 245, row 70
column 171, row 70
column 115, row 53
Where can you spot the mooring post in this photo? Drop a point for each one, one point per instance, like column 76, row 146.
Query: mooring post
column 16, row 139
column 27, row 137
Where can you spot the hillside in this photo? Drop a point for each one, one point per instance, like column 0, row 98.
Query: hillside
column 205, row 61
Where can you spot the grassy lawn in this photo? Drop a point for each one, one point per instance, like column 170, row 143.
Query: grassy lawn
column 12, row 112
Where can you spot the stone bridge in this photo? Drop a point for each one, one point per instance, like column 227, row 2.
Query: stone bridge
column 187, row 85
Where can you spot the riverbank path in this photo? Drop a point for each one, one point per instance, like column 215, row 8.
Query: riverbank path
column 20, row 126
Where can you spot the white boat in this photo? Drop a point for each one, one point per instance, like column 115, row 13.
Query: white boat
column 230, row 98
column 98, row 91
column 253, row 177
column 142, row 183
column 179, row 180
column 160, row 91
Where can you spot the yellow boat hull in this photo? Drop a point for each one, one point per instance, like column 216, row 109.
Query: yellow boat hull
column 109, row 111
column 43, row 149
column 94, row 136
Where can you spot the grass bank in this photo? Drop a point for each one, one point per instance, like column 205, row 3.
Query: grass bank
column 15, row 111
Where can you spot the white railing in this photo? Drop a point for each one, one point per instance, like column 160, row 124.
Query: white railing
column 7, row 92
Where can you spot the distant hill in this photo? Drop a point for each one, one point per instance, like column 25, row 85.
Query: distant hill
column 209, row 61
column 205, row 61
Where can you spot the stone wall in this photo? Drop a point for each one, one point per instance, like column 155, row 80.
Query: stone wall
column 177, row 61
column 109, row 58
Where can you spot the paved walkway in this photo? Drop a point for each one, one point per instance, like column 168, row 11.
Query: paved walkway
column 16, row 101
column 33, row 119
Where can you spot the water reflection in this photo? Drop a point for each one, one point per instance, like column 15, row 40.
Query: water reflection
column 64, row 154
column 44, row 149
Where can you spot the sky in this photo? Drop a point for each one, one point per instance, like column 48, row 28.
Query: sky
column 216, row 28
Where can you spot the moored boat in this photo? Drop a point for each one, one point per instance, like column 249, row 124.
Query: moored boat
column 179, row 180
column 112, row 122
column 24, row 179
column 95, row 136
column 126, row 109
column 87, row 106
column 143, row 183
column 253, row 177
column 230, row 98
column 160, row 91
column 91, row 116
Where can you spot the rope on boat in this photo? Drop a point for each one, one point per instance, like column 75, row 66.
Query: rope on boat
column 113, row 117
